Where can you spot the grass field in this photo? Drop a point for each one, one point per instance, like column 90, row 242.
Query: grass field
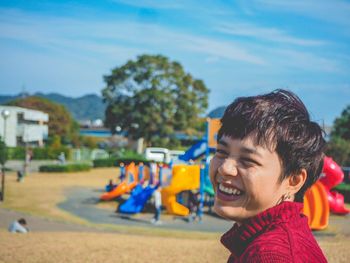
column 92, row 247
column 39, row 194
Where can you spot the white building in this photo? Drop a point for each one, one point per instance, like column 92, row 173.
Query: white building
column 20, row 125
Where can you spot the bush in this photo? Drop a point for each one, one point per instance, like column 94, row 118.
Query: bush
column 77, row 167
column 39, row 153
column 339, row 150
column 50, row 153
column 90, row 141
column 129, row 154
column 110, row 162
column 344, row 189
column 16, row 153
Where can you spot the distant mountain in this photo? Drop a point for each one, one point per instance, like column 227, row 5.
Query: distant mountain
column 87, row 107
column 217, row 113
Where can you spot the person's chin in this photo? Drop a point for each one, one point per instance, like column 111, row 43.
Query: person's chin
column 227, row 212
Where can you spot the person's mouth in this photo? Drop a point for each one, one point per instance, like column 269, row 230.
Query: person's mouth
column 227, row 192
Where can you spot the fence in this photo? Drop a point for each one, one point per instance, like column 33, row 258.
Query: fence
column 85, row 154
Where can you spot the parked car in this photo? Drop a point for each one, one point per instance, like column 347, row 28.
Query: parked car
column 164, row 155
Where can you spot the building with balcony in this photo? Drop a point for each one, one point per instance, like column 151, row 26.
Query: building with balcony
column 20, row 126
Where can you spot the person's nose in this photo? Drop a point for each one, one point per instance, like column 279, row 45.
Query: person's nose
column 228, row 168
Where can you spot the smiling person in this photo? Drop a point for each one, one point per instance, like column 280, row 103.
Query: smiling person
column 269, row 153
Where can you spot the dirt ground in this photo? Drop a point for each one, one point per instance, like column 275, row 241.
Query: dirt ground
column 40, row 193
column 92, row 247
column 115, row 247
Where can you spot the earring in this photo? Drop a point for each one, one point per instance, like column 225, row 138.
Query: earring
column 286, row 197
column 283, row 198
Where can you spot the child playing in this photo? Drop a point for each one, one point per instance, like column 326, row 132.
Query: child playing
column 18, row 226
column 157, row 206
column 269, row 153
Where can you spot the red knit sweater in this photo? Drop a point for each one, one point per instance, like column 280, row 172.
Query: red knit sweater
column 279, row 234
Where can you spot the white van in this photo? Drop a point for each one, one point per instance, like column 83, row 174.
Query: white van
column 162, row 154
column 157, row 154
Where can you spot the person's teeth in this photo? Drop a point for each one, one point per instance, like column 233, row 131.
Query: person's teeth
column 229, row 190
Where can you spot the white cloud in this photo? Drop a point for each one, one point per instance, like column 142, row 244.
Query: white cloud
column 306, row 61
column 122, row 40
column 336, row 11
column 106, row 37
column 267, row 34
column 223, row 49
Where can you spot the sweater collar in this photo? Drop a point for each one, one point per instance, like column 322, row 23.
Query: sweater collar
column 238, row 237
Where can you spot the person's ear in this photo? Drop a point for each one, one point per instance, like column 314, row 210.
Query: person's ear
column 296, row 181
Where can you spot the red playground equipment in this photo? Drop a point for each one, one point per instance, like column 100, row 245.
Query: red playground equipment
column 319, row 200
column 333, row 175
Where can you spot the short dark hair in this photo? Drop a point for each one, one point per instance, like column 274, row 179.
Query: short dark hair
column 279, row 121
column 22, row 221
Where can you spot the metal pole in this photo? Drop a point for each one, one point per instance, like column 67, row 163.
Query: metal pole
column 160, row 174
column 5, row 114
column 201, row 192
column 4, row 130
column 2, row 197
column 2, row 184
column 140, row 177
column 3, row 169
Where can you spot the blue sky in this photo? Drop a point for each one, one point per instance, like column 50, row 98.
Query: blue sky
column 237, row 47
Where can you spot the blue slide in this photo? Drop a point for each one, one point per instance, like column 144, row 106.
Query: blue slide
column 137, row 200
column 207, row 186
column 195, row 151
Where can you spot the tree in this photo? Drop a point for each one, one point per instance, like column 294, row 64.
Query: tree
column 152, row 98
column 60, row 121
column 339, row 150
column 339, row 145
column 341, row 127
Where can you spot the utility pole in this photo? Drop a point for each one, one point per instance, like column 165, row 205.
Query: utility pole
column 5, row 114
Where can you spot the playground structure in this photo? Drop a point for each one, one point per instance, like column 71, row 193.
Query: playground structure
column 181, row 178
column 129, row 179
column 333, row 176
column 319, row 200
column 184, row 178
column 173, row 181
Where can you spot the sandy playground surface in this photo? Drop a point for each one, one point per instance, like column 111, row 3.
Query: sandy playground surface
column 78, row 240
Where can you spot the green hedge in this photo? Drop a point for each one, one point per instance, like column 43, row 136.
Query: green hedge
column 75, row 167
column 110, row 162
column 15, row 153
column 39, row 153
column 344, row 189
column 50, row 153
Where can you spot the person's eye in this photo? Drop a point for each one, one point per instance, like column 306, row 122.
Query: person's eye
column 248, row 162
column 221, row 153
